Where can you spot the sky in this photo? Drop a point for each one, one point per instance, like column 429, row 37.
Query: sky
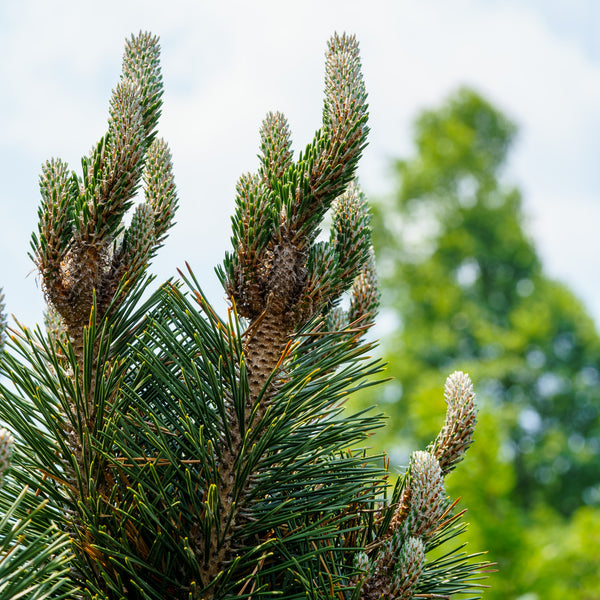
column 227, row 63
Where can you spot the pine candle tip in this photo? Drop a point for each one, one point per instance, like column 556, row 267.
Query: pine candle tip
column 461, row 417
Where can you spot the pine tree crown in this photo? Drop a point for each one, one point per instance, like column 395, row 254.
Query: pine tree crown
column 184, row 455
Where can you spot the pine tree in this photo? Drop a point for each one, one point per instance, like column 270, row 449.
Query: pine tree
column 189, row 456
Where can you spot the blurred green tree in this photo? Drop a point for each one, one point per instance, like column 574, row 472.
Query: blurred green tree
column 465, row 288
column 466, row 285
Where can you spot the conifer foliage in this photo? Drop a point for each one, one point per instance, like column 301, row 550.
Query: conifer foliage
column 166, row 452
column 33, row 551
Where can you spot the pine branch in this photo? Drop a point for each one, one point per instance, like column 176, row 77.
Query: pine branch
column 268, row 275
column 277, row 277
column 79, row 249
column 421, row 517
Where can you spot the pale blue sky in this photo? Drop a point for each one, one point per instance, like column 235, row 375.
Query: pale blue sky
column 225, row 64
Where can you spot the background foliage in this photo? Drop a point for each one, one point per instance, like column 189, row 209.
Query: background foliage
column 467, row 290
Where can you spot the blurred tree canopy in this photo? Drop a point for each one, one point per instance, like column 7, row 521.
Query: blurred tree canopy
column 465, row 287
